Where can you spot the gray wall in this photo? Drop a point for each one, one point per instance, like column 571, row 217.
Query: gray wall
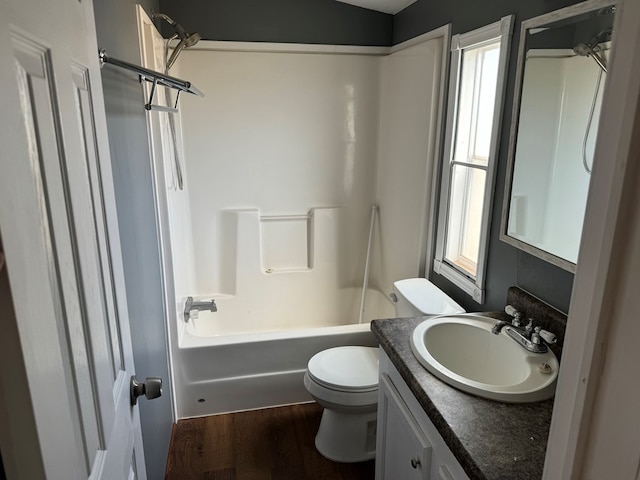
column 117, row 33
column 286, row 21
column 507, row 265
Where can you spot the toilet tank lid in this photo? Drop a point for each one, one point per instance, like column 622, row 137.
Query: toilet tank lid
column 426, row 297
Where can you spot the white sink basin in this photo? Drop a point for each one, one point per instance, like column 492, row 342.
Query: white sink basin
column 461, row 350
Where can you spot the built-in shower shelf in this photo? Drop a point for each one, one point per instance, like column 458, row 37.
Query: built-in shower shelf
column 290, row 270
column 284, row 243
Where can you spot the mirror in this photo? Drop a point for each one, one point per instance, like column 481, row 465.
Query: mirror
column 561, row 72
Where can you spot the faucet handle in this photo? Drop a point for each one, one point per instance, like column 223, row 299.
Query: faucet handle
column 187, row 308
column 513, row 313
column 548, row 336
column 540, row 334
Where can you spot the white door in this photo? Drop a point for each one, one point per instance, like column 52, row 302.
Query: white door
column 60, row 235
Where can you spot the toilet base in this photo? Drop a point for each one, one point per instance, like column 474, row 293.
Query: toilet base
column 347, row 437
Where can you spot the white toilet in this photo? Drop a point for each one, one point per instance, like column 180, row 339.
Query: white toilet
column 344, row 380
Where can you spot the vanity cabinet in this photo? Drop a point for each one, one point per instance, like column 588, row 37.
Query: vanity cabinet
column 404, row 449
column 408, row 445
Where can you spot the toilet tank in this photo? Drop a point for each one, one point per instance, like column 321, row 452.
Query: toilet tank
column 418, row 296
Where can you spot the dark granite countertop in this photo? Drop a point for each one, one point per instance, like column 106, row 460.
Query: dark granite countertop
column 490, row 439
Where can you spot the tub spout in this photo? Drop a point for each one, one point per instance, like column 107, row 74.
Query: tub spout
column 190, row 305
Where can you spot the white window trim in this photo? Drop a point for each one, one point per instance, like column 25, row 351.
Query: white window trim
column 503, row 30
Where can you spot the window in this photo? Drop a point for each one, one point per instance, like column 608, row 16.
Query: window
column 474, row 113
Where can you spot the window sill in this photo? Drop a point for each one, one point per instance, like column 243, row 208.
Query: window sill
column 461, row 281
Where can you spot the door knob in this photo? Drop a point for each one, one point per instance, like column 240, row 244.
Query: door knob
column 150, row 388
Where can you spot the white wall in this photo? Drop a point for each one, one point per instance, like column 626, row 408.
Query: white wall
column 286, row 132
column 282, row 133
column 409, row 96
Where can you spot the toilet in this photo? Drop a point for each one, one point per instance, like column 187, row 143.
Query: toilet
column 344, row 380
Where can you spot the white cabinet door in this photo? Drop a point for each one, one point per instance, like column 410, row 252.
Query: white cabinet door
column 403, row 428
column 404, row 451
column 60, row 235
column 442, row 472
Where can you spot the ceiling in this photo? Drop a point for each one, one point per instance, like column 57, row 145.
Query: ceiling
column 386, row 6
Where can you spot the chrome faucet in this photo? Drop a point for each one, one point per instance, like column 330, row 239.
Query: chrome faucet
column 533, row 339
column 190, row 305
column 497, row 328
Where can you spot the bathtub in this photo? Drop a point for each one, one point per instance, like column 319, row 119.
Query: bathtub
column 225, row 362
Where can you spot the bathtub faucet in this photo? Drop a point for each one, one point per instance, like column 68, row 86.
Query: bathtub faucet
column 190, row 305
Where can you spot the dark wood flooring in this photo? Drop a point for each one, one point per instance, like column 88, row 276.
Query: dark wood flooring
column 270, row 444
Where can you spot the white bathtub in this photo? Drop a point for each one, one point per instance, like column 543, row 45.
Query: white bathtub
column 222, row 367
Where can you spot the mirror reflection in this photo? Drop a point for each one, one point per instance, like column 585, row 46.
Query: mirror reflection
column 564, row 71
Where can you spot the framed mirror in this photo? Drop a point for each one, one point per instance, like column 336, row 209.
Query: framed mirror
column 561, row 72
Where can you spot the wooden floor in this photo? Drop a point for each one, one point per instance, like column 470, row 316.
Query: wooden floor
column 271, row 444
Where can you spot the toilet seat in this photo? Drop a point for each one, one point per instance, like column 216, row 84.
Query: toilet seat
column 345, row 369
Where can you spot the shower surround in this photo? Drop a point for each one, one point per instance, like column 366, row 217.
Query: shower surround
column 282, row 161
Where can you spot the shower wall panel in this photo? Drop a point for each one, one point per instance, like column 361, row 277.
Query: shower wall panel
column 281, row 133
column 409, row 99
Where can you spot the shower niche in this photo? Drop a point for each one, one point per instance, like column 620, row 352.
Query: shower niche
column 562, row 65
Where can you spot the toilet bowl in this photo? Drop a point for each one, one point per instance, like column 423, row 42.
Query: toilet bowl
column 344, row 380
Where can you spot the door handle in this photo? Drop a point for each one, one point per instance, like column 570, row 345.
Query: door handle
column 150, row 388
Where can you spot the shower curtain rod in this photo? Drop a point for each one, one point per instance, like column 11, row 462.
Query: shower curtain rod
column 156, row 78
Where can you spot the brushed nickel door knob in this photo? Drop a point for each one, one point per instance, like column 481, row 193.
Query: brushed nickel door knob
column 150, row 388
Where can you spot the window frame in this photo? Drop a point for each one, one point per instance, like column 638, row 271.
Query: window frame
column 501, row 30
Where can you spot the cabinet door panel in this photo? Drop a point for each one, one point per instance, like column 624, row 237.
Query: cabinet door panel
column 404, row 450
column 444, row 473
